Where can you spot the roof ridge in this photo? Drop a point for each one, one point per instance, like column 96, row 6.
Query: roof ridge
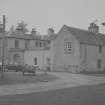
column 69, row 27
column 84, row 36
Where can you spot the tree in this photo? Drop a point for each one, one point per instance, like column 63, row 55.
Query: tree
column 22, row 27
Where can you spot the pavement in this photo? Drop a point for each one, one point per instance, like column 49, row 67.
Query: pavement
column 65, row 80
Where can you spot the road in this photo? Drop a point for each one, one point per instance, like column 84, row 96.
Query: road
column 65, row 80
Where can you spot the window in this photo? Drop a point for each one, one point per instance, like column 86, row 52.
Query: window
column 40, row 44
column 99, row 63
column 26, row 43
column 48, row 41
column 67, row 47
column 16, row 43
column 48, row 61
column 36, row 43
column 100, row 49
column 17, row 59
column 44, row 44
column 35, row 61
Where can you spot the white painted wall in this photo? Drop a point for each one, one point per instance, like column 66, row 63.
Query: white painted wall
column 61, row 60
column 41, row 55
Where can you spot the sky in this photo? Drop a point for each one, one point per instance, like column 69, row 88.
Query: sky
column 42, row 14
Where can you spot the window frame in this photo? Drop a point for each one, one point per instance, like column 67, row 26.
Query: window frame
column 16, row 43
column 67, row 47
column 35, row 61
column 100, row 48
column 36, row 43
column 40, row 44
column 26, row 44
column 99, row 63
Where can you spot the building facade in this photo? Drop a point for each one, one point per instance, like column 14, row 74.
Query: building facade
column 20, row 47
column 70, row 50
column 77, row 50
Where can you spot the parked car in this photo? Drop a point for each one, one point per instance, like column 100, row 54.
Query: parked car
column 29, row 69
column 13, row 67
column 1, row 66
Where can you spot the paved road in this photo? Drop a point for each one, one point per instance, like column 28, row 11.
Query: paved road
column 66, row 80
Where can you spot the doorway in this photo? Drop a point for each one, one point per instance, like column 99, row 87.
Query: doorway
column 17, row 59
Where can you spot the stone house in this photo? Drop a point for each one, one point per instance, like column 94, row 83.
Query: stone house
column 77, row 50
column 70, row 50
column 17, row 46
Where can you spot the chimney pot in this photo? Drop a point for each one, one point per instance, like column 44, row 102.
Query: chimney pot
column 50, row 31
column 33, row 32
column 93, row 28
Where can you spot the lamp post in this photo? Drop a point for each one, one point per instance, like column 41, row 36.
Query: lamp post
column 3, row 48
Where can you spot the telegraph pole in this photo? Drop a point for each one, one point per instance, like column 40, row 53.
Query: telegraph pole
column 3, row 47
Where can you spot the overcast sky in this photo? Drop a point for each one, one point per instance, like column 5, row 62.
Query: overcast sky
column 42, row 14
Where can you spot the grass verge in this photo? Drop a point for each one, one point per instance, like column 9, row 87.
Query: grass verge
column 11, row 78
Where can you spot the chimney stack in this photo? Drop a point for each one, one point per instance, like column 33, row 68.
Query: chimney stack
column 18, row 31
column 50, row 31
column 33, row 32
column 93, row 28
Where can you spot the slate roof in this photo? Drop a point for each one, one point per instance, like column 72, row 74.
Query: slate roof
column 52, row 37
column 86, row 37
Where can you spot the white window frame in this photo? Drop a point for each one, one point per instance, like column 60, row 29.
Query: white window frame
column 68, row 47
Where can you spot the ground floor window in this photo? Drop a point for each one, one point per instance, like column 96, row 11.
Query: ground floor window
column 99, row 63
column 17, row 59
column 48, row 64
column 35, row 61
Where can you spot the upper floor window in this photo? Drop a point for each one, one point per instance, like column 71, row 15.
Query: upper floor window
column 44, row 43
column 36, row 43
column 26, row 43
column 100, row 49
column 40, row 43
column 68, row 47
column 48, row 41
column 16, row 43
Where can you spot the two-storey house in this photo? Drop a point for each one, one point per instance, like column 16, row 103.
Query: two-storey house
column 23, row 48
column 77, row 50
